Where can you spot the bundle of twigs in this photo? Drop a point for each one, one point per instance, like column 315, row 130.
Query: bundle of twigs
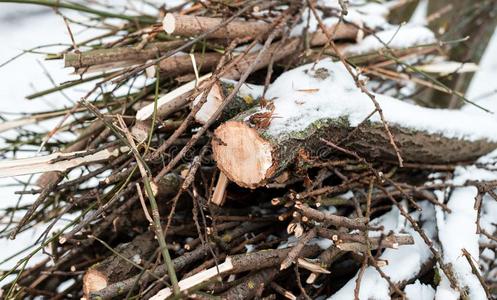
column 179, row 189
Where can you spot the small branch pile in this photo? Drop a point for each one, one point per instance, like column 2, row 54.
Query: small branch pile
column 237, row 150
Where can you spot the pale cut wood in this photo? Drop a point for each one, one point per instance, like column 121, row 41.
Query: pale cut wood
column 219, row 194
column 185, row 25
column 196, row 279
column 170, row 102
column 7, row 125
column 49, row 178
column 93, row 281
column 54, row 162
column 245, row 156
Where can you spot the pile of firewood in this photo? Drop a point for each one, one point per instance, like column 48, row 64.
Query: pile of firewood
column 198, row 185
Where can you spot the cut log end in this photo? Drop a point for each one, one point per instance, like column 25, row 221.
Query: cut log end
column 242, row 155
column 93, row 281
column 169, row 23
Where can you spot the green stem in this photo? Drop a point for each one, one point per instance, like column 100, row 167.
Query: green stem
column 160, row 236
column 81, row 8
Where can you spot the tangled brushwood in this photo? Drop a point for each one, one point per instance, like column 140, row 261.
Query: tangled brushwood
column 259, row 149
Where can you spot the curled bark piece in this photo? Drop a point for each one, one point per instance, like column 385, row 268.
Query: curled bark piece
column 116, row 267
column 184, row 25
column 257, row 145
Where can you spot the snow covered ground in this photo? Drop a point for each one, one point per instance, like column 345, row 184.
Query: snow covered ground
column 25, row 27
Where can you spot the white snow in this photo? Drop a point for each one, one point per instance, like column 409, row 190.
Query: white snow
column 457, row 230
column 306, row 94
column 419, row 291
column 404, row 263
column 337, row 94
column 370, row 15
column 398, row 37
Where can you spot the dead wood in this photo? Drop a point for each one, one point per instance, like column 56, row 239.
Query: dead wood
column 251, row 158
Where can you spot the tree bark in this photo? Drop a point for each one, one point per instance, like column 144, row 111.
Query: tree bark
column 251, row 156
column 185, row 25
column 129, row 55
column 115, row 268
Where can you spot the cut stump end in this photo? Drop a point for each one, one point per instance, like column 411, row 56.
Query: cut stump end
column 242, row 154
column 93, row 281
column 169, row 23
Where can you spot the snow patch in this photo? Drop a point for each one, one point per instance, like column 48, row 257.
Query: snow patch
column 326, row 90
column 419, row 291
column 457, row 231
column 404, row 263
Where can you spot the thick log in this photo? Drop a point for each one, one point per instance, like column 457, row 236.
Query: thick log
column 251, row 149
column 116, row 267
column 184, row 25
column 250, row 158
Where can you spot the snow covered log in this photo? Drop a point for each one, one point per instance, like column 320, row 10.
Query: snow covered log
column 318, row 102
